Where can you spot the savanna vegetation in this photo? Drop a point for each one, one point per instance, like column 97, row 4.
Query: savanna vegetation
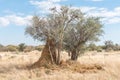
column 67, row 34
column 22, row 47
column 65, row 29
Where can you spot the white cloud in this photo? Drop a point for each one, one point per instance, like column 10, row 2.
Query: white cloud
column 18, row 20
column 114, row 20
column 117, row 9
column 45, row 5
column 11, row 12
column 4, row 21
column 108, row 16
column 87, row 9
column 21, row 20
column 14, row 19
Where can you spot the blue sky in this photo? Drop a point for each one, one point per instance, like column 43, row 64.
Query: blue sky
column 16, row 14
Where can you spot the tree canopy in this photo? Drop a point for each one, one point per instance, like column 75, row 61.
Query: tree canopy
column 85, row 29
column 68, row 28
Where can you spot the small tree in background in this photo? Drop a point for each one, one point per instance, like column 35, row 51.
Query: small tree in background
column 109, row 45
column 21, row 46
column 116, row 47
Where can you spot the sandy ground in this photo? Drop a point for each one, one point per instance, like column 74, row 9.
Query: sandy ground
column 13, row 67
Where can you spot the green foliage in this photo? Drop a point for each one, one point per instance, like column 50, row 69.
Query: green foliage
column 85, row 29
column 67, row 27
column 110, row 46
column 22, row 46
column 99, row 49
column 116, row 47
column 92, row 47
column 11, row 48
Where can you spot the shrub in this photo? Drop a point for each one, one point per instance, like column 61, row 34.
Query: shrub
column 21, row 47
column 1, row 48
column 92, row 47
column 39, row 48
column 29, row 48
column 11, row 48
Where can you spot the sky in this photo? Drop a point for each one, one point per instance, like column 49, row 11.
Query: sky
column 15, row 15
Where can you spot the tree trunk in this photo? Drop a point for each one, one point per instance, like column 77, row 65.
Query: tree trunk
column 69, row 53
column 74, row 55
column 58, row 60
column 48, row 55
column 59, row 51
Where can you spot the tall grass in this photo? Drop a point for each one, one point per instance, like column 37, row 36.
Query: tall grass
column 13, row 67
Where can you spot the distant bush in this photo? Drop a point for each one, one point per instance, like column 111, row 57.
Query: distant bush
column 92, row 47
column 29, row 48
column 1, row 48
column 116, row 47
column 11, row 48
column 22, row 46
column 110, row 46
column 99, row 48
column 39, row 48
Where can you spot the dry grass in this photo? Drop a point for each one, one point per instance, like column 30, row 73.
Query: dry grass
column 13, row 67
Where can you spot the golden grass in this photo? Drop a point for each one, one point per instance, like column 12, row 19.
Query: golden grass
column 13, row 67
